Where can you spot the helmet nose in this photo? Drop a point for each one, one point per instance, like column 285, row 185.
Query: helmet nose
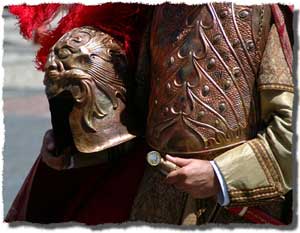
column 51, row 63
column 51, row 69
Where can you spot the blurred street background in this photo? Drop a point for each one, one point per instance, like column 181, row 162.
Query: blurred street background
column 26, row 114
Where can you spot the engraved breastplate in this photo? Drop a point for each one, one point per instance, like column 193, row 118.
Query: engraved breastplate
column 204, row 61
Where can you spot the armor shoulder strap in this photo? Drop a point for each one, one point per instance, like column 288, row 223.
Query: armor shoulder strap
column 281, row 25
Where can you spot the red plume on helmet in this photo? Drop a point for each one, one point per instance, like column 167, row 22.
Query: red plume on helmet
column 121, row 20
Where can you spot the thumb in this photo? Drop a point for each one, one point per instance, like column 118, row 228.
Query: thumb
column 180, row 162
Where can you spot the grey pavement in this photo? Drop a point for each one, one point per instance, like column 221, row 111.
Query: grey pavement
column 26, row 114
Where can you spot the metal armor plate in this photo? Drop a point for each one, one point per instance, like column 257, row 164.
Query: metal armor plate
column 87, row 68
column 204, row 64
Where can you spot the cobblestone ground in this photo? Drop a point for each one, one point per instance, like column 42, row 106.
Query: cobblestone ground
column 26, row 114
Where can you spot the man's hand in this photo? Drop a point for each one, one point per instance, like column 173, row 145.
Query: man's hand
column 196, row 177
column 48, row 153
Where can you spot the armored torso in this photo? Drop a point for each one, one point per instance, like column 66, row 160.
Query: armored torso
column 204, row 64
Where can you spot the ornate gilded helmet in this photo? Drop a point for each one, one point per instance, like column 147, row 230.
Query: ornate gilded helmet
column 86, row 86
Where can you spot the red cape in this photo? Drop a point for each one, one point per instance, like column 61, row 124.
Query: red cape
column 93, row 195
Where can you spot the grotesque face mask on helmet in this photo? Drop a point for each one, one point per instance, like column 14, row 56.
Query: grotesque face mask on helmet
column 85, row 73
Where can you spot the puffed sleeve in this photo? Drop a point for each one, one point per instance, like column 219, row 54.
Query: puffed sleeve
column 261, row 169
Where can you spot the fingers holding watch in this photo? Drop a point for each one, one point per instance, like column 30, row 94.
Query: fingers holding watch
column 196, row 177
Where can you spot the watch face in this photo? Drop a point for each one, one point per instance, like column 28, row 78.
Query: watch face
column 153, row 158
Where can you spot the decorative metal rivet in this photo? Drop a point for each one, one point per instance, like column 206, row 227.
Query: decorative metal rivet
column 211, row 63
column 250, row 45
column 168, row 85
column 155, row 101
column 216, row 39
column 235, row 43
column 222, row 107
column 201, row 114
column 224, row 14
column 243, row 14
column 217, row 122
column 236, row 72
column 227, row 84
column 172, row 60
column 205, row 90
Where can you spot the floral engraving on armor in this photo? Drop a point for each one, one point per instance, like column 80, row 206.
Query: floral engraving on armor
column 207, row 80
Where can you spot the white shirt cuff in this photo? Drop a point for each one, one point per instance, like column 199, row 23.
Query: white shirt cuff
column 223, row 197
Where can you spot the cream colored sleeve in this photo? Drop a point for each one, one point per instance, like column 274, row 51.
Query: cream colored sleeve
column 261, row 169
